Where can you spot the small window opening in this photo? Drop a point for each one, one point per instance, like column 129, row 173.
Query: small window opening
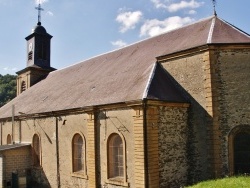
column 30, row 54
column 23, row 86
column 9, row 139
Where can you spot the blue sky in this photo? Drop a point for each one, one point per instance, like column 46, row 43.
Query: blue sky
column 82, row 29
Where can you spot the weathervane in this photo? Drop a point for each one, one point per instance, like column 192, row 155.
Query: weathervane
column 214, row 3
column 39, row 8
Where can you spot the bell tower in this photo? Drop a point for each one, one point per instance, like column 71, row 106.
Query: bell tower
column 38, row 47
column 38, row 57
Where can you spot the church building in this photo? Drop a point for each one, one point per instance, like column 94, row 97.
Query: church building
column 168, row 111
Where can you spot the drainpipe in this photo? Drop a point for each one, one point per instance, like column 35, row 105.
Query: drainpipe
column 13, row 124
column 145, row 141
column 20, row 131
column 1, row 133
column 57, row 156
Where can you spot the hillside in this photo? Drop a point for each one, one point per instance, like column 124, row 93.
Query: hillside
column 7, row 88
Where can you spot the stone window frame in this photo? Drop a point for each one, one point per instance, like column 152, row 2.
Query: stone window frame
column 82, row 173
column 9, row 139
column 119, row 180
column 236, row 130
column 36, row 158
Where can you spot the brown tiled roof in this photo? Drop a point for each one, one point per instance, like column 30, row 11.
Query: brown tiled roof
column 127, row 74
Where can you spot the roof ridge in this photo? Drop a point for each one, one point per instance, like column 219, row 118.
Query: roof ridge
column 211, row 30
column 151, row 76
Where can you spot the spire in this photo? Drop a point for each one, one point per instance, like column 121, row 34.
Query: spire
column 214, row 3
column 39, row 8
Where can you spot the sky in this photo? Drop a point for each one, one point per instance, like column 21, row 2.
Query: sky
column 82, row 29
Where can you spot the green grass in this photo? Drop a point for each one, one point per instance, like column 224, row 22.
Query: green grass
column 230, row 182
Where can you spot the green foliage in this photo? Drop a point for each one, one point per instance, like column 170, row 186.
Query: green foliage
column 230, row 182
column 7, row 88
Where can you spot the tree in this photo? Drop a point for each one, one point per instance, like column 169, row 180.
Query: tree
column 7, row 88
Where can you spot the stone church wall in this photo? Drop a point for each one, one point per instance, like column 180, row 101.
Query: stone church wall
column 68, row 126
column 231, row 73
column 45, row 129
column 189, row 74
column 6, row 130
column 118, row 121
column 173, row 136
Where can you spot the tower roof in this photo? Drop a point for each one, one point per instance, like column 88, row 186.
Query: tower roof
column 39, row 29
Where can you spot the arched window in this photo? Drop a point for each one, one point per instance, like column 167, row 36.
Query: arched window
column 242, row 153
column 239, row 150
column 78, row 153
column 36, row 150
column 115, row 157
column 8, row 139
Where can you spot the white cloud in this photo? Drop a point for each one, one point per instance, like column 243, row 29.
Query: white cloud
column 156, row 27
column 191, row 12
column 184, row 4
column 159, row 4
column 174, row 7
column 50, row 13
column 41, row 1
column 128, row 20
column 119, row 43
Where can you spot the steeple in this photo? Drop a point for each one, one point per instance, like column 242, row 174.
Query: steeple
column 38, row 44
column 38, row 57
column 38, row 47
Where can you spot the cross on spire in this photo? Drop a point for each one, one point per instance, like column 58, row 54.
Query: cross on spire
column 214, row 3
column 39, row 8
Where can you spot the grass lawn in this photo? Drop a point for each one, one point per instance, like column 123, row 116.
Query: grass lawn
column 230, row 182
